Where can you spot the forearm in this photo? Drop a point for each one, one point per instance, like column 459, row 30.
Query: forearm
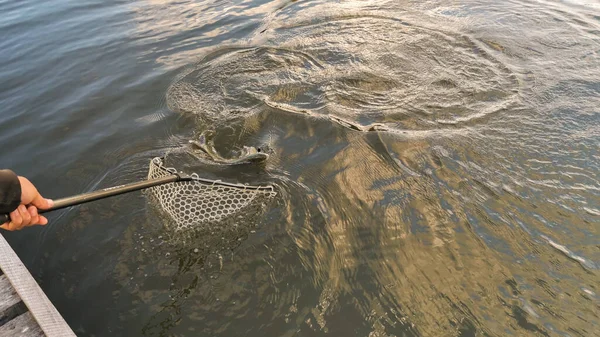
column 10, row 191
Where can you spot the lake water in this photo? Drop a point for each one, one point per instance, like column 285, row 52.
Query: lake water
column 436, row 162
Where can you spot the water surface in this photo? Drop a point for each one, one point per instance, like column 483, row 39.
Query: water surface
column 436, row 164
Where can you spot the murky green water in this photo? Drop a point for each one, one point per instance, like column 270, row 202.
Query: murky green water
column 436, row 164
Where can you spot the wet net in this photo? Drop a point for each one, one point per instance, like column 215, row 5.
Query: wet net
column 198, row 202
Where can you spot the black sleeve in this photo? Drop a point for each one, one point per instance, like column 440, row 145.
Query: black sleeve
column 10, row 191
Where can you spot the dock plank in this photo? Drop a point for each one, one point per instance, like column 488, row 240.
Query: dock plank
column 8, row 295
column 40, row 307
column 22, row 326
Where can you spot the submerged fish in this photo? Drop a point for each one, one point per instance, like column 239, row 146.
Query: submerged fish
column 247, row 155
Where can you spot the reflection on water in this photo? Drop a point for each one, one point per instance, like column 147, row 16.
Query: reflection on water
column 408, row 232
column 436, row 166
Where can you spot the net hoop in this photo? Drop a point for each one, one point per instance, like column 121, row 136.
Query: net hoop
column 196, row 201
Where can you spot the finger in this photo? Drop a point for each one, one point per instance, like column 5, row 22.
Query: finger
column 25, row 215
column 15, row 220
column 43, row 220
column 33, row 212
column 28, row 191
column 9, row 226
column 42, row 203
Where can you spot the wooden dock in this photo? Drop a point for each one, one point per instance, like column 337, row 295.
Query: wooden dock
column 24, row 308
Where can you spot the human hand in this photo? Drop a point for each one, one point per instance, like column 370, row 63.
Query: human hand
column 27, row 213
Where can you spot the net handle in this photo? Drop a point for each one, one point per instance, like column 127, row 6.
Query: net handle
column 106, row 193
column 131, row 187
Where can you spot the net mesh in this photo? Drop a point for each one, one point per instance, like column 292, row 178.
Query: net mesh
column 201, row 201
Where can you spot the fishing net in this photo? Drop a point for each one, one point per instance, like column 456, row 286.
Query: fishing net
column 195, row 202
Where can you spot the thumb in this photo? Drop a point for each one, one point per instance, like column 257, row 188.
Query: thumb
column 42, row 203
